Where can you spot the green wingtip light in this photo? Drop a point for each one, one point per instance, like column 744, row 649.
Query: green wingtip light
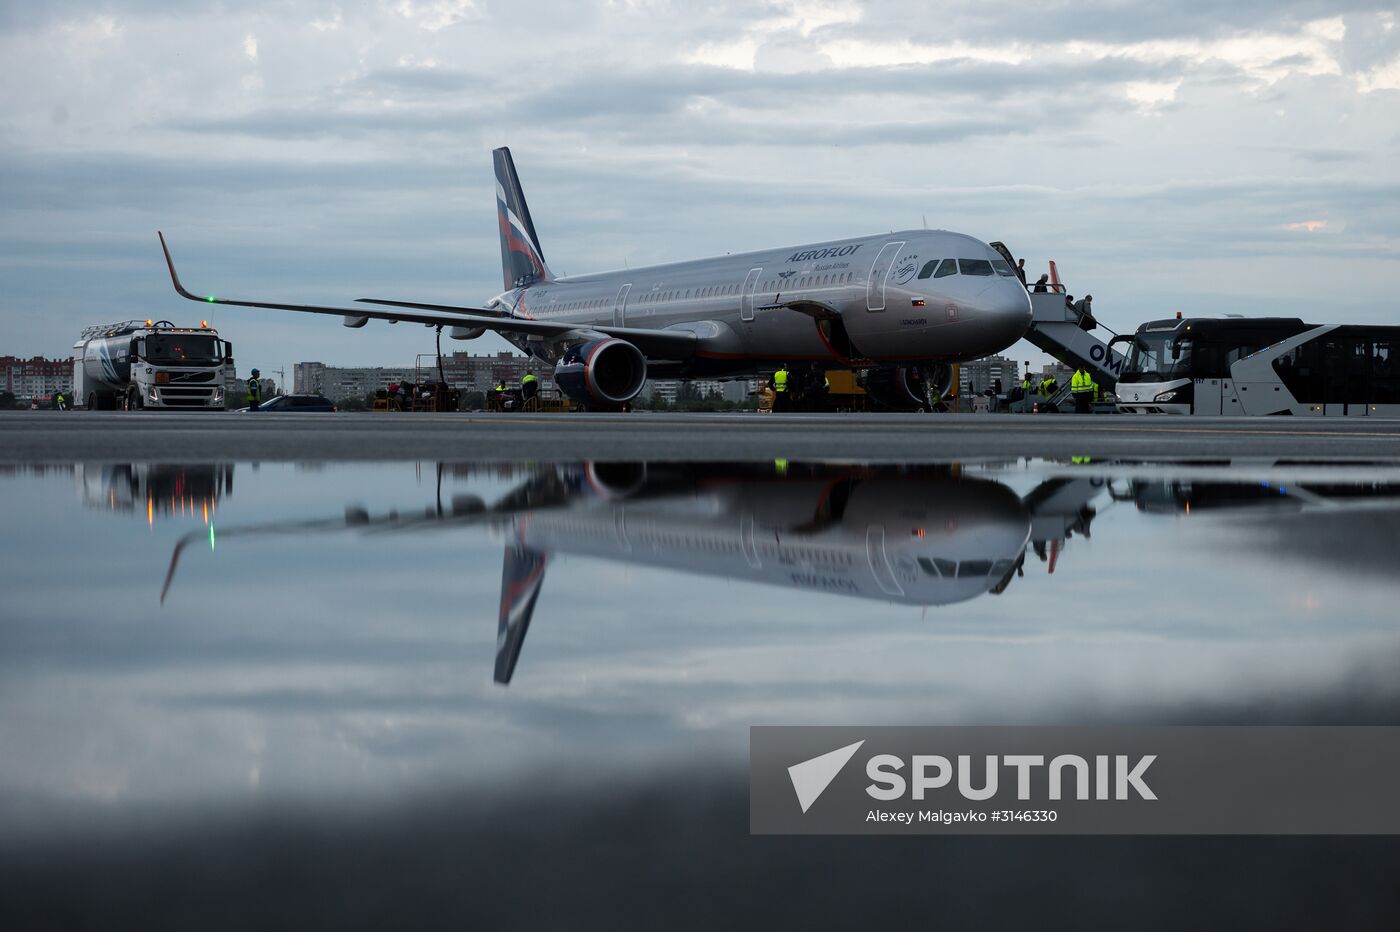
column 211, row 535
column 210, row 299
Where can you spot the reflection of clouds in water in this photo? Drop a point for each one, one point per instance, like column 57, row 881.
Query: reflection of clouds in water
column 359, row 662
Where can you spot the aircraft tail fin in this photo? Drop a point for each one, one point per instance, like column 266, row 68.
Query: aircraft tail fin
column 522, row 260
column 521, row 578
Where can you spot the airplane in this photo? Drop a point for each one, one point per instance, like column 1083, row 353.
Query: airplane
column 921, row 536
column 903, row 306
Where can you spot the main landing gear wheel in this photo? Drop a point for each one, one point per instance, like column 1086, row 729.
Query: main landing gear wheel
column 938, row 381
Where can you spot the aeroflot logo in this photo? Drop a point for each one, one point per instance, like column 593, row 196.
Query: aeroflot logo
column 823, row 253
column 892, row 777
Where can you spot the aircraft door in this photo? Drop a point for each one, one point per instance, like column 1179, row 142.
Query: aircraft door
column 879, row 558
column 746, row 294
column 620, row 308
column 879, row 273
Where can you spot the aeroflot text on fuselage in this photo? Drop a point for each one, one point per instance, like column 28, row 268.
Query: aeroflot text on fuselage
column 823, row 253
column 934, row 771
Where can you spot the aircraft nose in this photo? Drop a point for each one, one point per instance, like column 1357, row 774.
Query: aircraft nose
column 1006, row 311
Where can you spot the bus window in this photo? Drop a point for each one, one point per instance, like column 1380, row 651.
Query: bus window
column 1345, row 364
column 1385, row 372
column 1157, row 357
column 1300, row 371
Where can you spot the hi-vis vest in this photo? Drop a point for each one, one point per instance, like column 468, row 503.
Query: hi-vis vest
column 529, row 377
column 1081, row 382
column 780, row 380
column 254, row 389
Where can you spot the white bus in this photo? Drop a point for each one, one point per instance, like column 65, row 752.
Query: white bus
column 1257, row 366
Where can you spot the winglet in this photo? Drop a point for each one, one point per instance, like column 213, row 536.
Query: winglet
column 174, row 278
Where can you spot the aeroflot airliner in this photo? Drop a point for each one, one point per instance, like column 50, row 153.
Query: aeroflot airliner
column 916, row 300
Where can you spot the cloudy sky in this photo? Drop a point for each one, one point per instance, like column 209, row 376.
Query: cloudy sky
column 1181, row 156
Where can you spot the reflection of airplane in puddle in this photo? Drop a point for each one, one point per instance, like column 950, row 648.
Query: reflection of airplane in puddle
column 927, row 535
column 158, row 489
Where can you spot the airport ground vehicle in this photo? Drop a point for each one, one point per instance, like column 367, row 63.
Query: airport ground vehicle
column 150, row 364
column 1257, row 366
column 296, row 403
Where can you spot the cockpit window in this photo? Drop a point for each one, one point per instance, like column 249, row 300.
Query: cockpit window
column 939, row 567
column 1003, row 268
column 975, row 266
column 928, row 268
column 949, row 267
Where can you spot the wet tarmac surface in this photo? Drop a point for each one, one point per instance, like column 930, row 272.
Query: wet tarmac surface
column 482, row 693
column 890, row 438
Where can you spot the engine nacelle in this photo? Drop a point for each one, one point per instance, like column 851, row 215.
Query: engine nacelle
column 604, row 373
column 466, row 333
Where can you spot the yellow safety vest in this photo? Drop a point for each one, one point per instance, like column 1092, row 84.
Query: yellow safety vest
column 1081, row 382
column 780, row 380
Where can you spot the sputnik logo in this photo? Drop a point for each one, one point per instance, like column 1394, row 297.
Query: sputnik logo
column 811, row 777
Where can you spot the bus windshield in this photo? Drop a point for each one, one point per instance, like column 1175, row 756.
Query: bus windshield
column 183, row 349
column 1157, row 357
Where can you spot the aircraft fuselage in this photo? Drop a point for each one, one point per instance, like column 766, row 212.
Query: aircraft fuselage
column 867, row 300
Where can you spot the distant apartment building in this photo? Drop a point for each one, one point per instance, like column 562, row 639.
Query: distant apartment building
column 669, row 390
column 1059, row 370
column 36, row 377
column 307, row 378
column 463, row 371
column 981, row 374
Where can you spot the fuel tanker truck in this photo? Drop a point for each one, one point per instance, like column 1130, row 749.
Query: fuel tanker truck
column 144, row 364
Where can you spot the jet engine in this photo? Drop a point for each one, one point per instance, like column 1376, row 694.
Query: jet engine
column 602, row 374
column 907, row 388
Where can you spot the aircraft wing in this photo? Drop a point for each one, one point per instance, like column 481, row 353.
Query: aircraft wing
column 655, row 344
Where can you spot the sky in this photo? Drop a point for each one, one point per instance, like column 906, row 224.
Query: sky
column 1168, row 156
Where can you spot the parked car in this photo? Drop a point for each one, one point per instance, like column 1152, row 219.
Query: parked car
column 296, row 403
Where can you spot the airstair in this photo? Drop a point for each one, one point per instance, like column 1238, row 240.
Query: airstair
column 1067, row 334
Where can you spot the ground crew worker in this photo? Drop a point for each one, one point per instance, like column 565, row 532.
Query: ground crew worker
column 61, row 402
column 498, row 394
column 530, row 390
column 254, row 390
column 817, row 387
column 1082, row 387
column 766, row 398
column 780, row 386
column 1027, row 386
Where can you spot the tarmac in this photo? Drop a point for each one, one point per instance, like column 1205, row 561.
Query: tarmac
column 151, row 436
